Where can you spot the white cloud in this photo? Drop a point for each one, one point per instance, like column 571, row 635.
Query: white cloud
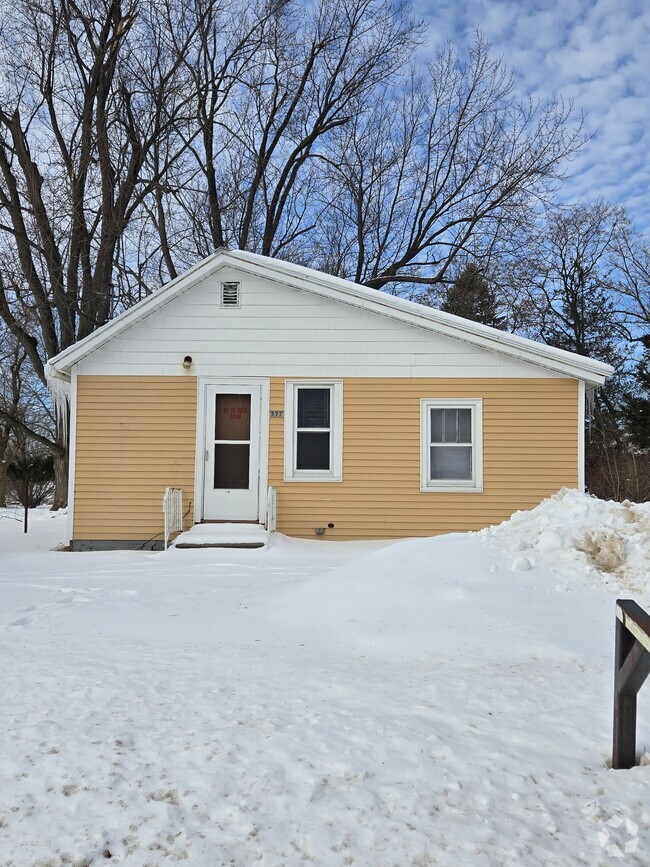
column 595, row 53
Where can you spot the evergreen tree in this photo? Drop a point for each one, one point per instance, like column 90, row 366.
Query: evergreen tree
column 636, row 408
column 472, row 297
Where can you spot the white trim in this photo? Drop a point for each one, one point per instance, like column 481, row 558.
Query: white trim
column 202, row 382
column 72, row 451
column 334, row 288
column 265, row 413
column 581, row 434
column 335, row 473
column 199, row 461
column 470, row 486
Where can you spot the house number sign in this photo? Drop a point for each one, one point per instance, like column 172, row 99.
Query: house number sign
column 277, row 413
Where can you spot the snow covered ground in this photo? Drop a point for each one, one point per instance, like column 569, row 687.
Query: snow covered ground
column 441, row 701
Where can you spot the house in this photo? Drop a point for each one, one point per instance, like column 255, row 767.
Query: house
column 371, row 416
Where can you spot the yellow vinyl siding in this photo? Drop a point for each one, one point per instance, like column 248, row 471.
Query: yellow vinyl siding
column 530, row 449
column 135, row 436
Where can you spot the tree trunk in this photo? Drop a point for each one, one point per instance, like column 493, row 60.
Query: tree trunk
column 4, row 485
column 60, row 482
column 4, row 454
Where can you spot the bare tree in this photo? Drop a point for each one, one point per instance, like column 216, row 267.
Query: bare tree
column 27, row 423
column 633, row 259
column 272, row 88
column 578, row 289
column 123, row 123
column 12, row 357
column 137, row 136
column 325, row 147
column 88, row 90
column 578, row 280
column 450, row 165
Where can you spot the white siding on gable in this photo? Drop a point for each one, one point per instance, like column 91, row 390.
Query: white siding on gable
column 281, row 331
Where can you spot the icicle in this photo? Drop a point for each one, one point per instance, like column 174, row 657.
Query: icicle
column 59, row 390
column 590, row 400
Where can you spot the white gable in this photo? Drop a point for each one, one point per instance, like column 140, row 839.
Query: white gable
column 281, row 330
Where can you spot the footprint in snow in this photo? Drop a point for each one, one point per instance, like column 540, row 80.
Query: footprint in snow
column 22, row 621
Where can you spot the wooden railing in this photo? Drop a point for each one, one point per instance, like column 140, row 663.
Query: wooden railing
column 632, row 668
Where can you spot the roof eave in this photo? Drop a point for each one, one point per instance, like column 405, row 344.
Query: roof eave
column 65, row 360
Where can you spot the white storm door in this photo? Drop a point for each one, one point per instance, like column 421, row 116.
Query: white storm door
column 232, row 453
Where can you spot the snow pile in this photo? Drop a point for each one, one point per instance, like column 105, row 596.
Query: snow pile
column 578, row 535
column 428, row 600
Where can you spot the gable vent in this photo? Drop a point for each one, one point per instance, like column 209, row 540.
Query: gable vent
column 230, row 294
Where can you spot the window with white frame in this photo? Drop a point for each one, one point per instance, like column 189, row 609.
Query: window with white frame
column 313, row 431
column 452, row 444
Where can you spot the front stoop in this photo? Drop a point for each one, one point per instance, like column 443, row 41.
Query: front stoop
column 223, row 536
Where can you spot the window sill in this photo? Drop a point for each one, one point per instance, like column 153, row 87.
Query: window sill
column 313, row 478
column 451, row 489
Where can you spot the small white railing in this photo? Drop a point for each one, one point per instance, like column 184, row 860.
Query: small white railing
column 172, row 506
column 271, row 514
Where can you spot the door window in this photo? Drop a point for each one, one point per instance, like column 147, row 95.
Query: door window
column 232, row 432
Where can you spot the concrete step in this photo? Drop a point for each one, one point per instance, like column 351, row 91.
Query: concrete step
column 223, row 536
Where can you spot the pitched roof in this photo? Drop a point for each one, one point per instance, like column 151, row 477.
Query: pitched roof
column 337, row 289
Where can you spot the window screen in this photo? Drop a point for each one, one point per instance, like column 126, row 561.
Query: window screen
column 451, row 425
column 450, row 444
column 313, row 429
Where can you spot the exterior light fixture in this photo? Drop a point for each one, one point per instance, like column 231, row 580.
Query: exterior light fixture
column 187, row 362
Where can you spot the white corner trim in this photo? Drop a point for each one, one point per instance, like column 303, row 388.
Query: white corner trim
column 471, row 486
column 582, row 399
column 335, row 473
column 265, row 414
column 72, row 452
column 199, row 461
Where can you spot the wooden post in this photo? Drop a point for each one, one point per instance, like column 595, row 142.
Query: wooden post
column 632, row 666
column 624, row 741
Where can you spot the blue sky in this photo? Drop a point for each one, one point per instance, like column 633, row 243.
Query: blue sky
column 595, row 52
